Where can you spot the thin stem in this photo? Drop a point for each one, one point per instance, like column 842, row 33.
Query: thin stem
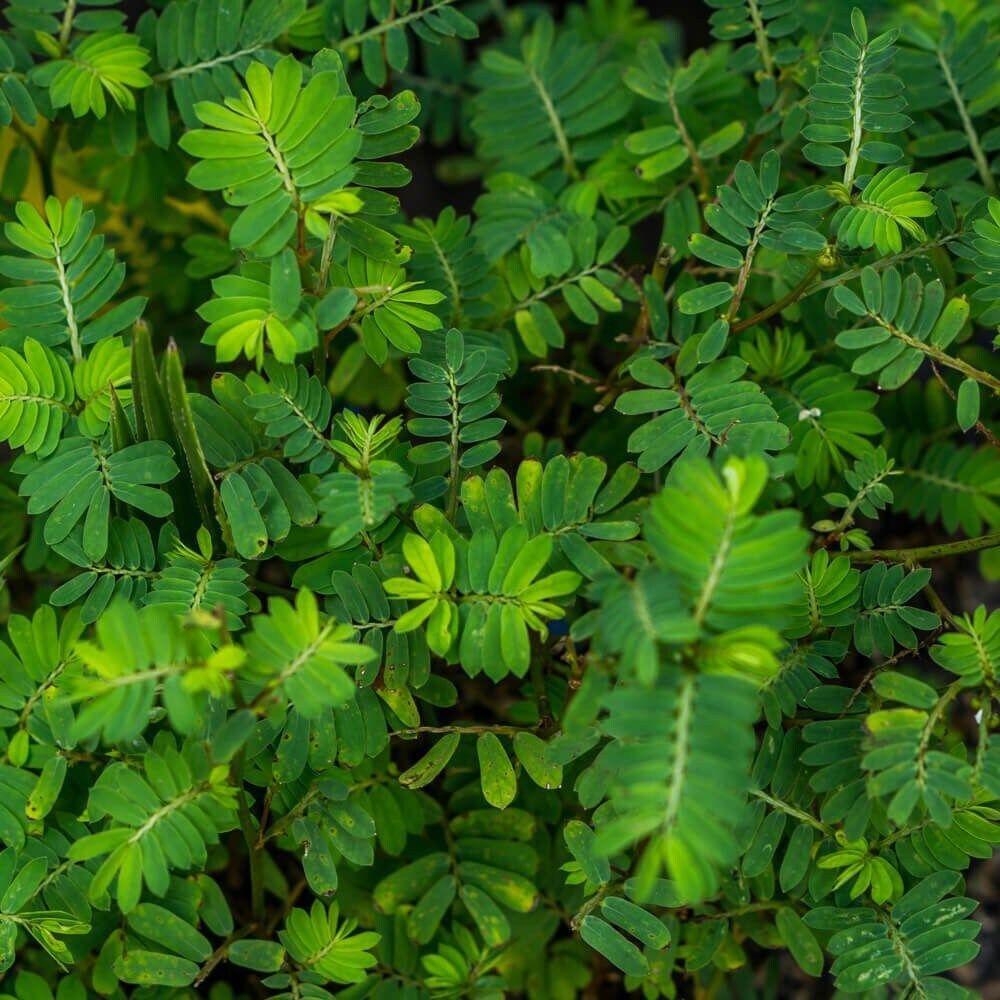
column 591, row 904
column 256, row 856
column 983, row 741
column 286, row 908
column 942, row 610
column 790, row 810
column 939, row 356
column 924, row 552
column 762, row 907
column 562, row 140
column 949, row 695
column 979, row 425
column 760, row 34
column 549, row 290
column 194, row 68
column 748, row 256
column 857, row 100
column 697, row 166
column 545, row 718
column 326, row 257
column 66, row 28
column 454, row 475
column 904, row 654
column 982, row 164
column 783, row 303
column 67, row 303
column 222, row 952
column 500, row 730
column 919, row 250
column 382, row 27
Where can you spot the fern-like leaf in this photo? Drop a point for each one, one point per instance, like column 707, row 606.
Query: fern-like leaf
column 275, row 149
column 72, row 277
column 549, row 107
column 855, row 95
column 714, row 408
column 99, row 65
column 78, row 480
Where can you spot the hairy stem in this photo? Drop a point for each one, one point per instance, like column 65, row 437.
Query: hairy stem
column 939, row 356
column 857, row 99
column 704, row 184
column 925, row 552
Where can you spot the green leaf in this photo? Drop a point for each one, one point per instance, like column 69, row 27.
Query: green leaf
column 616, row 948
column 490, row 920
column 967, row 407
column 532, row 752
column 800, row 940
column 907, row 690
column 495, row 770
column 721, row 141
column 426, row 916
column 149, row 968
column 432, row 763
column 164, row 928
column 286, row 284
column 581, row 841
column 335, row 307
column 641, row 924
column 704, row 298
column 261, row 956
column 714, row 251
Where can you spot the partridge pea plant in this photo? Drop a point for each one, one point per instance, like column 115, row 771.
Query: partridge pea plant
column 497, row 503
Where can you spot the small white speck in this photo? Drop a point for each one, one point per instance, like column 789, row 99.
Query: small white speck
column 815, row 411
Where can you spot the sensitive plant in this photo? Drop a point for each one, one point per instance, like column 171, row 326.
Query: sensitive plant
column 494, row 502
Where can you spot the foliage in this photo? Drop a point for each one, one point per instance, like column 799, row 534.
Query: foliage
column 564, row 576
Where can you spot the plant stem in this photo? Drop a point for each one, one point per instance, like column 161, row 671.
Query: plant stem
column 939, row 356
column 760, row 34
column 545, row 719
column 982, row 164
column 704, row 184
column 454, row 474
column 388, row 25
column 795, row 813
column 499, row 729
column 776, row 307
column 326, row 257
column 979, row 425
column 66, row 28
column 221, row 952
column 254, row 854
column 924, row 552
column 748, row 256
column 857, row 98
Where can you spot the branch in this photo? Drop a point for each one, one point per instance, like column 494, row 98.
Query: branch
column 503, row 730
column 783, row 303
column 704, row 183
column 924, row 552
column 937, row 355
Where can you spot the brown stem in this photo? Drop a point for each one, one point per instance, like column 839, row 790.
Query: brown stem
column 776, row 307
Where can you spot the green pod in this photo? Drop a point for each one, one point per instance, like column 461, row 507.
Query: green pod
column 122, row 432
column 153, row 423
column 206, row 495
